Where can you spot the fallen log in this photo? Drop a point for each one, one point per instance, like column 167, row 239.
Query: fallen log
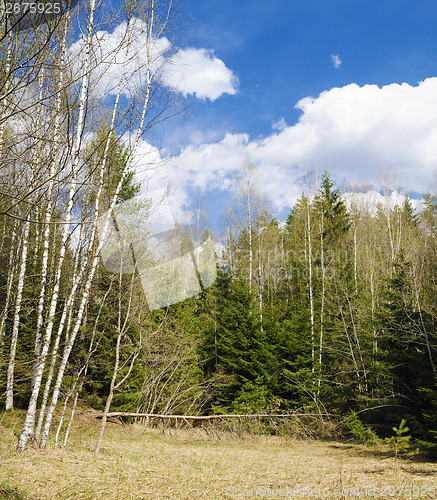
column 207, row 417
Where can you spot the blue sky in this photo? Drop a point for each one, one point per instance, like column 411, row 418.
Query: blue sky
column 297, row 87
column 281, row 52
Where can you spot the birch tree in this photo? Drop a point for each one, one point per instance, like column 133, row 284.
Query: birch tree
column 130, row 306
column 29, row 423
column 16, row 325
column 154, row 31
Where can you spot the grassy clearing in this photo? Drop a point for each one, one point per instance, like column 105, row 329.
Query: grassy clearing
column 135, row 464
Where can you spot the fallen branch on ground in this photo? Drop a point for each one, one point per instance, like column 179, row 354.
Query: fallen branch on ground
column 208, row 417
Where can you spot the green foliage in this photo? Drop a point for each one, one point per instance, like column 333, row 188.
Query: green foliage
column 361, row 432
column 400, row 442
column 115, row 166
column 338, row 316
column 252, row 397
column 332, row 209
column 404, row 354
column 429, row 415
column 237, row 352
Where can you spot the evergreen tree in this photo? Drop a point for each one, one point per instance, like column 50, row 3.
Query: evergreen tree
column 403, row 353
column 332, row 209
column 237, row 352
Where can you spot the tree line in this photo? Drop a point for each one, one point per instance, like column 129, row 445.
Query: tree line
column 333, row 311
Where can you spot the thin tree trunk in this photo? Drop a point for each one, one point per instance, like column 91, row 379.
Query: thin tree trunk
column 422, row 324
column 49, row 208
column 357, row 341
column 61, row 420
column 16, row 325
column 84, row 300
column 351, row 347
column 11, row 276
column 2, row 99
column 3, row 234
column 390, row 234
column 261, row 281
column 105, row 415
column 310, row 279
column 29, row 423
column 375, row 334
column 78, row 276
column 37, row 240
column 355, row 258
column 68, row 309
column 110, row 396
column 82, row 377
column 322, row 307
column 73, row 410
column 15, row 331
column 121, row 327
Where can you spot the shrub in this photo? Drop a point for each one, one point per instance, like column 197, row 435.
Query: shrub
column 359, row 431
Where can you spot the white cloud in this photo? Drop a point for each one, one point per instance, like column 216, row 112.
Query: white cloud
column 156, row 175
column 123, row 54
column 198, row 72
column 120, row 56
column 279, row 125
column 353, row 132
column 336, row 61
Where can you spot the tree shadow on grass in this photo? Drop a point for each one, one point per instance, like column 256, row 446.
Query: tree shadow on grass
column 417, row 471
column 362, row 450
column 7, row 493
column 409, row 464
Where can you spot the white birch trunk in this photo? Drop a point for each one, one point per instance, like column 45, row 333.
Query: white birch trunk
column 37, row 240
column 375, row 334
column 68, row 309
column 390, row 233
column 29, row 423
column 61, row 420
column 2, row 99
column 424, row 330
column 80, row 376
column 355, row 257
column 16, row 325
column 70, row 420
column 48, row 217
column 110, row 395
column 113, row 388
column 261, row 282
column 310, row 279
column 121, row 327
column 357, row 342
column 87, row 288
column 249, row 221
column 11, row 276
column 351, row 347
column 3, row 236
column 322, row 307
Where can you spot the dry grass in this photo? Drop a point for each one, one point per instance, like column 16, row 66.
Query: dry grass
column 148, row 465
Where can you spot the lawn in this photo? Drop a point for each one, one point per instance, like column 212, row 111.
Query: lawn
column 139, row 463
